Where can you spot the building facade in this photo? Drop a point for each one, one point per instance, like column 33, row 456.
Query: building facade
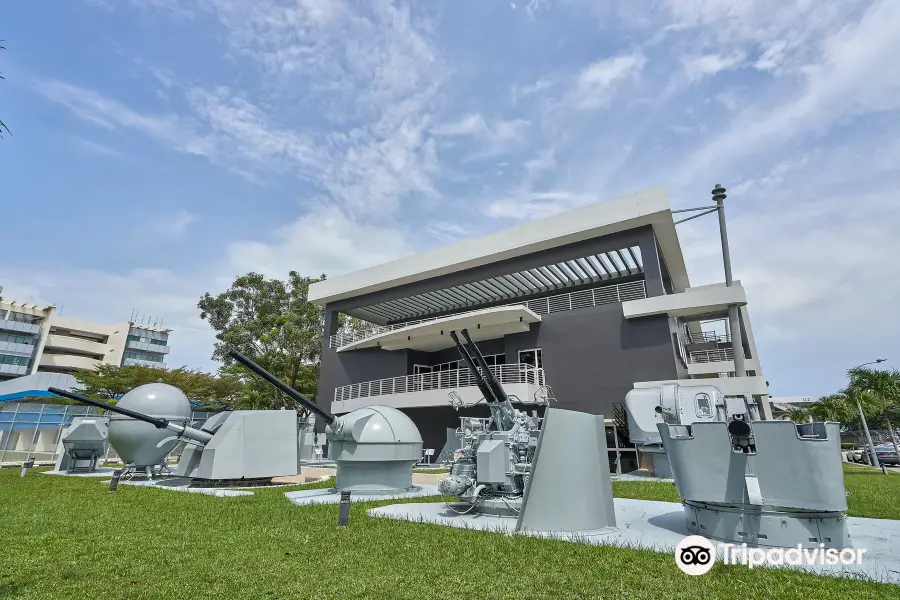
column 590, row 304
column 40, row 349
column 35, row 339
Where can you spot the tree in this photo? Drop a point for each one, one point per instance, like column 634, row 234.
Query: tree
column 109, row 383
column 274, row 323
column 883, row 389
column 798, row 414
column 2, row 126
column 835, row 407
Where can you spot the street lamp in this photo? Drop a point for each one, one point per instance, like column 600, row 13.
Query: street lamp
column 862, row 417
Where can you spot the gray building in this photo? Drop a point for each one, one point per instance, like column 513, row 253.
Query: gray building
column 591, row 303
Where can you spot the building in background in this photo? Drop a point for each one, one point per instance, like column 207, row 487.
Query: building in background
column 36, row 339
column 39, row 349
column 592, row 303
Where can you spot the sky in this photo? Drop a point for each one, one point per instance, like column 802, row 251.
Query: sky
column 159, row 148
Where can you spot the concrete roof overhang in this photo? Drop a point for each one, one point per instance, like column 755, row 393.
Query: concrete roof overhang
column 649, row 207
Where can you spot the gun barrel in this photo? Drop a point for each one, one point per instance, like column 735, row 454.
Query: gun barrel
column 480, row 380
column 489, row 378
column 190, row 433
column 284, row 388
column 157, row 422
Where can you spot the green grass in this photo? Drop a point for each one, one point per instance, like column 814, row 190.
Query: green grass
column 68, row 538
column 872, row 493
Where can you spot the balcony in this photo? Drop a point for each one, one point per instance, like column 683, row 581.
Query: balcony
column 57, row 362
column 712, row 362
column 432, row 389
column 19, row 327
column 136, row 362
column 611, row 294
column 147, row 347
column 67, row 342
column 13, row 369
column 693, row 302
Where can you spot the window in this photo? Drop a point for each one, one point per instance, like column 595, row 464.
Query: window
column 703, row 405
column 21, row 361
column 531, row 358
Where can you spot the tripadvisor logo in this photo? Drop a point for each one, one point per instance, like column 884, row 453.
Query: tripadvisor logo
column 696, row 555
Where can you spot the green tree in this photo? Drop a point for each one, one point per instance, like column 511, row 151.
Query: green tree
column 108, row 383
column 882, row 387
column 798, row 414
column 2, row 126
column 835, row 407
column 274, row 323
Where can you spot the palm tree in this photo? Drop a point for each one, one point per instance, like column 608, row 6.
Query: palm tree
column 883, row 389
column 798, row 414
column 835, row 407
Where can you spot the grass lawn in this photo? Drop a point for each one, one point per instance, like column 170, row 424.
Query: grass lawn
column 68, row 538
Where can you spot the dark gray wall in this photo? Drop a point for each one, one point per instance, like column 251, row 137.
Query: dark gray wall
column 593, row 356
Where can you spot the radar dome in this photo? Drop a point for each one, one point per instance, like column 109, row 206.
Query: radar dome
column 140, row 444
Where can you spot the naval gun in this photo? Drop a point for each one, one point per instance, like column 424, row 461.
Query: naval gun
column 83, row 445
column 551, row 473
column 492, row 467
column 242, row 445
column 744, row 479
column 375, row 447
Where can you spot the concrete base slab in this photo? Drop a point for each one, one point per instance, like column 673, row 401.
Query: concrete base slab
column 101, row 472
column 183, row 484
column 308, row 497
column 660, row 526
column 630, row 477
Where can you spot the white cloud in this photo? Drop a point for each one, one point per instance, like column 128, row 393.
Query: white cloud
column 493, row 139
column 527, row 205
column 594, row 83
column 322, row 241
column 856, row 75
column 177, row 225
column 700, row 67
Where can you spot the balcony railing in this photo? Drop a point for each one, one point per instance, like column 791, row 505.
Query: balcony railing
column 634, row 290
column 456, row 378
column 710, row 356
column 707, row 336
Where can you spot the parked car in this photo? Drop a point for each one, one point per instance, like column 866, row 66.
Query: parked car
column 855, row 455
column 885, row 452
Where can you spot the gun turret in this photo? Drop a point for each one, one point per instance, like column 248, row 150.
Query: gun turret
column 311, row 406
column 189, row 433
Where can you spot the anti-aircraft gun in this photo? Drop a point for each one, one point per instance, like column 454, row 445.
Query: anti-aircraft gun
column 493, row 465
column 231, row 445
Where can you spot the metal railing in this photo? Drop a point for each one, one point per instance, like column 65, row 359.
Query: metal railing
column 456, row 378
column 707, row 336
column 622, row 292
column 710, row 356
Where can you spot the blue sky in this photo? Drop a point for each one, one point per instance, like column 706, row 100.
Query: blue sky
column 161, row 147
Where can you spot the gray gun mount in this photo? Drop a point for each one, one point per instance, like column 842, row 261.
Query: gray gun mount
column 742, row 479
column 83, row 445
column 493, row 465
column 551, row 473
column 375, row 447
column 231, row 445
